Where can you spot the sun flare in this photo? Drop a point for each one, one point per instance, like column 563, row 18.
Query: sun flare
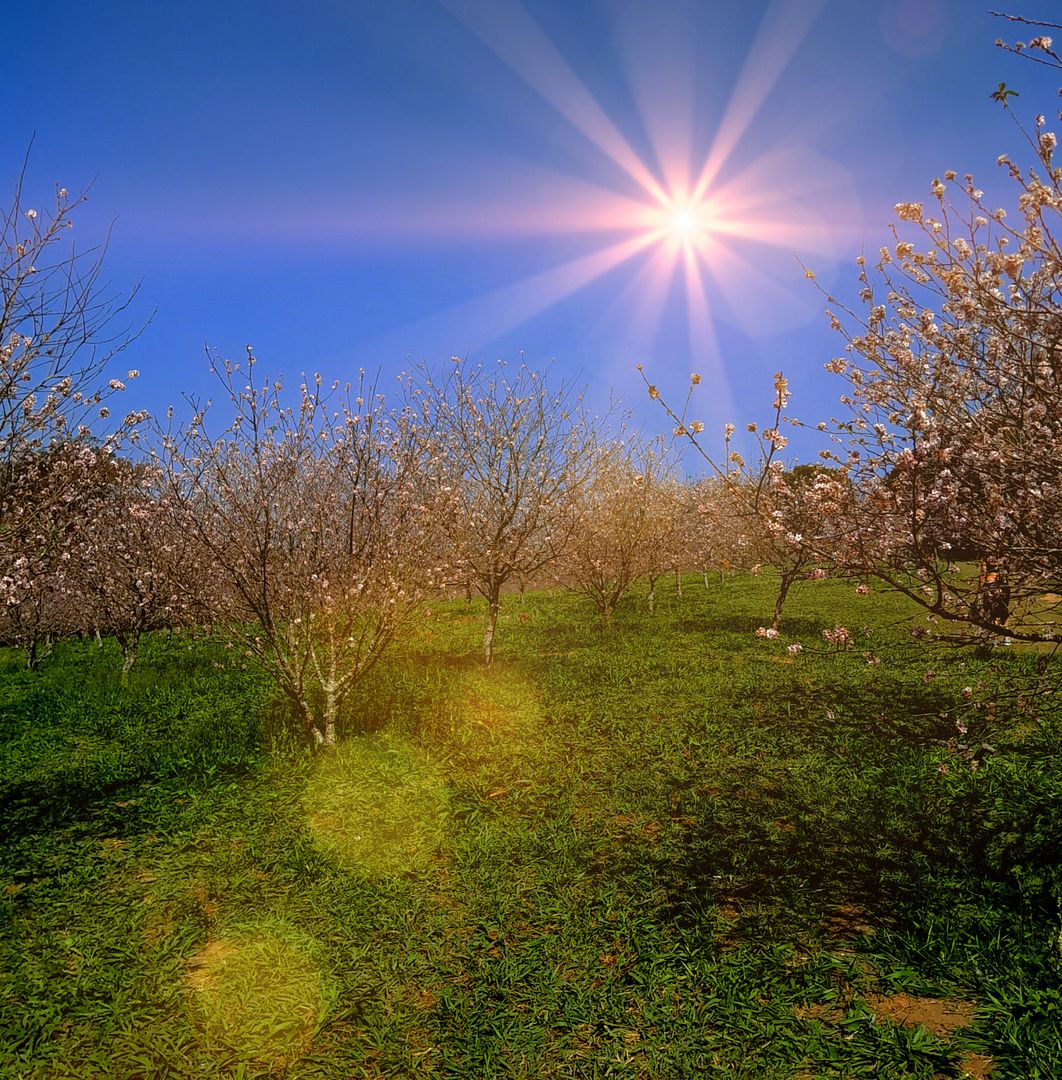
column 685, row 221
column 695, row 228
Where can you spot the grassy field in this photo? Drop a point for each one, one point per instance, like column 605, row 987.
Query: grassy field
column 668, row 849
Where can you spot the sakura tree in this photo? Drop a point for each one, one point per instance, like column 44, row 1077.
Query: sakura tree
column 316, row 521
column 667, row 541
column 716, row 530
column 52, row 492
column 611, row 545
column 512, row 455
column 59, row 329
column 133, row 561
column 954, row 432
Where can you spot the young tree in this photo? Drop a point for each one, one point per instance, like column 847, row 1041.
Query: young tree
column 55, row 491
column 800, row 512
column 133, row 563
column 718, row 540
column 318, row 525
column 59, row 328
column 610, row 545
column 666, row 540
column 513, row 456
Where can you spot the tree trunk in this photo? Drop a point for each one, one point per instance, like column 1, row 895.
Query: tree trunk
column 33, row 660
column 783, row 589
column 678, row 583
column 704, row 574
column 468, row 594
column 130, row 646
column 652, row 593
column 331, row 708
column 492, row 623
column 328, row 736
column 99, row 638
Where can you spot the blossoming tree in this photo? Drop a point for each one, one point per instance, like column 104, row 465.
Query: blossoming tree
column 612, row 542
column 954, row 432
column 513, row 456
column 318, row 525
column 59, row 328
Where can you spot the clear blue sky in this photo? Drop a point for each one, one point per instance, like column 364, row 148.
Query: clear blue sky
column 362, row 184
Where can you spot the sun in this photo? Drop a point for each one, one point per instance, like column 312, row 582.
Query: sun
column 685, row 221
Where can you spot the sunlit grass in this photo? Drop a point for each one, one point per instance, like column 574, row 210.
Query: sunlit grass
column 255, row 997
column 659, row 851
column 377, row 804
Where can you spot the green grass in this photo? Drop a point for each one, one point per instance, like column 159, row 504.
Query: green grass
column 666, row 849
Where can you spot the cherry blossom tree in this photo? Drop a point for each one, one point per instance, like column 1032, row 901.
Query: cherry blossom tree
column 954, row 434
column 60, row 326
column 611, row 545
column 786, row 520
column 513, row 456
column 667, row 542
column 318, row 525
column 56, row 493
column 133, row 561
column 717, row 534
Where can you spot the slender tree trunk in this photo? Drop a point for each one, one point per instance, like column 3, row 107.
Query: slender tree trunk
column 492, row 623
column 33, row 660
column 330, row 715
column 130, row 645
column 704, row 575
column 468, row 594
column 99, row 638
column 678, row 583
column 652, row 593
column 783, row 589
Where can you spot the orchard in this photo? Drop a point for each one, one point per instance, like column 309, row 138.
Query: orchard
column 458, row 729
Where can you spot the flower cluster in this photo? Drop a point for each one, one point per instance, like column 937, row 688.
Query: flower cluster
column 837, row 635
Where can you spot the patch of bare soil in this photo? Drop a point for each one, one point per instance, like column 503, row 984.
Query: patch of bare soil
column 936, row 1015
column 939, row 1016
column 848, row 920
column 976, row 1066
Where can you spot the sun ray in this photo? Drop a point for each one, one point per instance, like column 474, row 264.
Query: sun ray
column 484, row 319
column 784, row 26
column 760, row 304
column 639, row 307
column 705, row 353
column 507, row 29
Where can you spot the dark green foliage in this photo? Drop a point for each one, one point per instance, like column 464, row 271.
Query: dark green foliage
column 665, row 849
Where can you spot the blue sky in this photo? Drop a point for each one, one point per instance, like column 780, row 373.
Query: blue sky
column 352, row 185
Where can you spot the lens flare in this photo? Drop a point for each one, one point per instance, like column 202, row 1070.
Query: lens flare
column 258, row 995
column 686, row 221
